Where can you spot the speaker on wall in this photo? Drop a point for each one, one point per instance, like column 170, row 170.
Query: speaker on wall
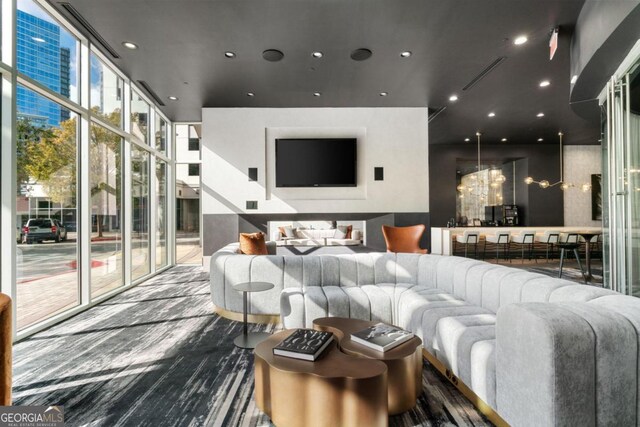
column 378, row 174
column 252, row 204
column 253, row 174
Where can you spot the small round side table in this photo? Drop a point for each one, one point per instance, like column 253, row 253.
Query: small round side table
column 250, row 340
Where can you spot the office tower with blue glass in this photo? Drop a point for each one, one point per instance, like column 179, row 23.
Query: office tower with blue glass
column 42, row 58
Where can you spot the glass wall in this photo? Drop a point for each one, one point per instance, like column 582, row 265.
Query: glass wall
column 188, row 239
column 622, row 182
column 139, row 117
column 105, row 175
column 46, row 212
column 106, row 92
column 140, row 262
column 161, row 213
column 73, row 249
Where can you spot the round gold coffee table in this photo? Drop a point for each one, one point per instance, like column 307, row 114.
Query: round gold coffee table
column 404, row 362
column 335, row 390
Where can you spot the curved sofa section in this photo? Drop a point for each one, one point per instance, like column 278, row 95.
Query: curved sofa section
column 512, row 337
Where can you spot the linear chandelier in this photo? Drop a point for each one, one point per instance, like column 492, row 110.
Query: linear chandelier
column 544, row 184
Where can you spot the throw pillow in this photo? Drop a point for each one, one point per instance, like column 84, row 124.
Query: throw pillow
column 341, row 232
column 289, row 231
column 283, row 232
column 253, row 244
column 349, row 230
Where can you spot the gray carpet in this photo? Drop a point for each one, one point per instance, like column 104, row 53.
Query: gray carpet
column 155, row 355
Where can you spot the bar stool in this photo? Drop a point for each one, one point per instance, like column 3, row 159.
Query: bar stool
column 469, row 238
column 549, row 238
column 524, row 239
column 498, row 239
column 574, row 248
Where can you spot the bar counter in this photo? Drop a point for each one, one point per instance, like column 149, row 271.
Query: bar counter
column 441, row 237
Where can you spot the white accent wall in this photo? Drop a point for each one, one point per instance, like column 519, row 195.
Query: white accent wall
column 580, row 162
column 235, row 139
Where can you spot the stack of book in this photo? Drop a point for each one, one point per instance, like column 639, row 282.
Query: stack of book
column 381, row 337
column 305, row 344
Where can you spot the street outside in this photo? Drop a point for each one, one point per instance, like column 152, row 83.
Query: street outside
column 47, row 274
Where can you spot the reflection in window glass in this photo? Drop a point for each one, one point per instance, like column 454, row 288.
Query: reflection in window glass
column 105, row 176
column 161, row 213
column 47, row 255
column 47, row 53
column 139, row 117
column 140, row 264
column 161, row 134
column 106, row 92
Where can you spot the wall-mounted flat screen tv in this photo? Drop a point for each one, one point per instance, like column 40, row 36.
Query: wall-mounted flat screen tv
column 326, row 162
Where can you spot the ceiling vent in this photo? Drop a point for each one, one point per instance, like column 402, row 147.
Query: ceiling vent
column 361, row 54
column 272, row 55
column 484, row 73
column 434, row 113
column 88, row 28
column 151, row 92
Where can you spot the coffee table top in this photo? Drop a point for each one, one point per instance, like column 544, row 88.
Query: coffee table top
column 343, row 327
column 331, row 364
column 253, row 286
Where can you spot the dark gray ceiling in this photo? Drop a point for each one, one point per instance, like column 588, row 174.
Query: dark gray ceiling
column 452, row 41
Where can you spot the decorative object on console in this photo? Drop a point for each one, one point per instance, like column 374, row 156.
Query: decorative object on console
column 253, row 244
column 404, row 239
column 585, row 187
column 381, row 337
column 305, row 344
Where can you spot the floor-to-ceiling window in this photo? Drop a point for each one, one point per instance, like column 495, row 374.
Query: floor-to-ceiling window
column 46, row 209
column 140, row 256
column 85, row 189
column 187, row 193
column 622, row 181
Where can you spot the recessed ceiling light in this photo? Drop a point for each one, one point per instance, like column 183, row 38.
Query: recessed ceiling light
column 173, row 98
column 467, row 140
column 251, row 94
column 453, row 98
column 406, row 54
column 520, row 40
column 574, row 79
column 384, row 93
column 229, row 54
column 545, row 83
column 491, row 114
column 38, row 39
column 540, row 139
column 130, row 45
column 504, row 140
column 317, row 54
column 540, row 115
column 316, row 94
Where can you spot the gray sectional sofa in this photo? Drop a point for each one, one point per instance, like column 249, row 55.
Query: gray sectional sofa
column 539, row 351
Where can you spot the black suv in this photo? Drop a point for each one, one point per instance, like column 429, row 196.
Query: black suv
column 40, row 229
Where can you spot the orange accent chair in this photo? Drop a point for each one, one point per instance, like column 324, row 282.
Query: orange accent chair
column 404, row 239
column 5, row 350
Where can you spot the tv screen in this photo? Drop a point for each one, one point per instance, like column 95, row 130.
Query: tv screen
column 316, row 162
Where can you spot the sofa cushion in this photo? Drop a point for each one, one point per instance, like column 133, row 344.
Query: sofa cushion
column 455, row 337
column 483, row 371
column 253, row 244
column 341, row 232
column 380, row 303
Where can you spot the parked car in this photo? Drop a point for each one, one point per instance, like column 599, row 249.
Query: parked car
column 40, row 229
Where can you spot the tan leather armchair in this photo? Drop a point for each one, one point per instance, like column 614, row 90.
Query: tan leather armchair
column 5, row 350
column 404, row 239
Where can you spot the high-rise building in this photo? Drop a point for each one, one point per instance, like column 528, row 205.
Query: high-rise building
column 41, row 57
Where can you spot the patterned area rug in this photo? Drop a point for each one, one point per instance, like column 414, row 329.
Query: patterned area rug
column 156, row 355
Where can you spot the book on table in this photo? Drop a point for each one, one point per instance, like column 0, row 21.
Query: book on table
column 305, row 344
column 381, row 337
